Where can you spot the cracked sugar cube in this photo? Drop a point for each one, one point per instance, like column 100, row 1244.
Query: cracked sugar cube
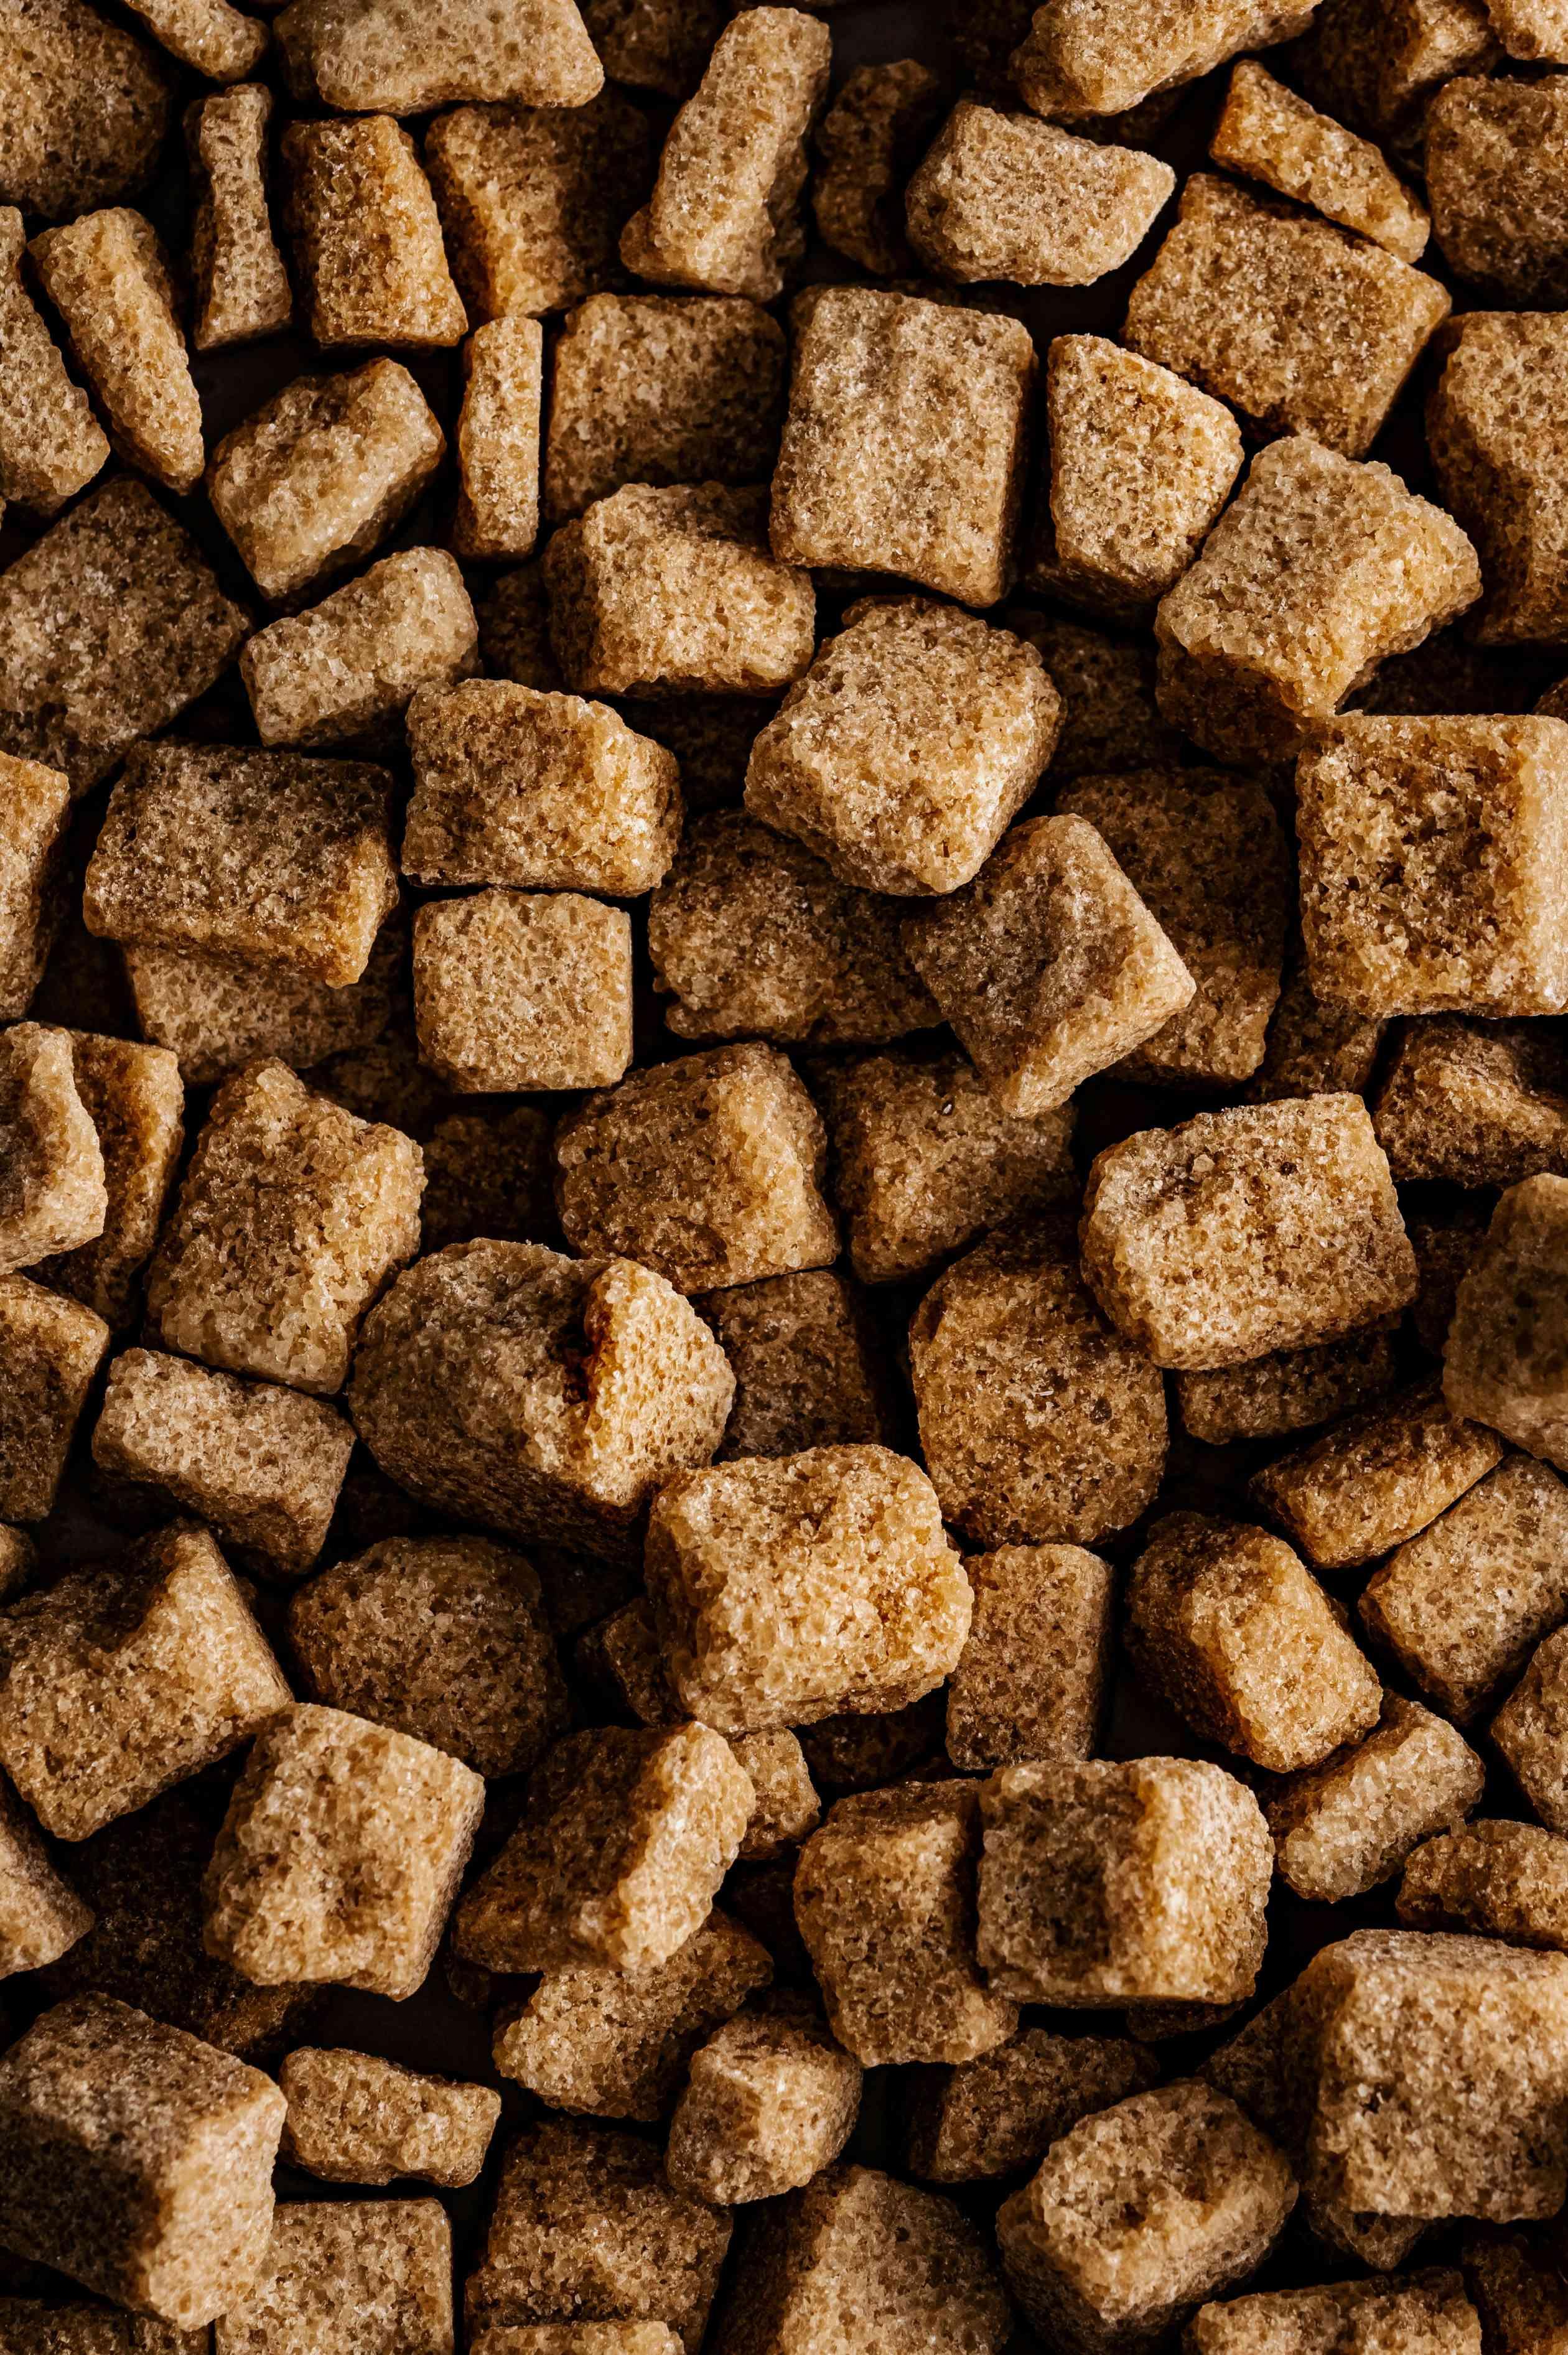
column 345, row 2275
column 109, row 278
column 354, row 2118
column 261, row 1465
column 135, row 1101
column 499, row 441
column 659, row 45
column 1038, row 1422
column 1342, row 1827
column 220, row 42
column 242, row 288
column 724, row 215
column 393, row 57
column 41, row 1916
column 216, row 1013
column 1376, row 1479
column 1528, row 1731
column 518, row 990
column 1503, row 1357
column 290, row 1218
column 1289, row 1389
column 809, row 1366
column 136, row 2159
column 345, row 672
column 1005, row 197
column 1497, row 425
column 316, row 477
column 1032, row 1676
column 444, row 1638
column 366, row 238
column 905, row 442
column 1001, row 2112
column 866, row 143
column 626, row 1837
column 1266, row 133
column 1317, row 569
column 1425, row 2314
column 340, row 1855
column 1495, row 160
column 53, row 1197
column 787, row 1807
column 51, row 445
column 1474, row 1105
column 86, row 107
column 769, row 2102
column 32, row 875
column 489, row 1174
column 515, row 785
column 1264, row 1227
column 110, row 625
column 1498, row 1880
column 1313, row 1048
column 1084, row 57
column 917, row 733
column 52, row 1349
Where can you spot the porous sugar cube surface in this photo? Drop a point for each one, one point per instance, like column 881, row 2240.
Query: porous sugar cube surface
column 1424, row 2314
column 809, row 1365
column 1001, row 2112
column 1288, row 1390
column 1473, row 1105
column 1497, row 180
column 346, row 2277
column 51, row 445
column 499, row 441
column 523, row 990
column 787, row 1807
column 109, row 279
column 1376, row 1479
column 1517, row 2288
column 1088, row 58
column 356, row 2119
column 1032, row 1680
column 135, row 1101
column 41, row 1916
column 1503, row 1358
column 347, row 671
column 219, row 41
column 216, row 1013
column 1340, row 1827
column 1501, row 1881
column 875, row 126
column 1531, row 30
column 770, row 2101
column 32, row 848
column 1004, row 195
column 1528, row 1731
column 1497, row 427
column 392, row 55
column 1266, row 132
column 1313, row 1048
column 366, row 238
column 86, row 107
column 242, row 288
column 53, row 1196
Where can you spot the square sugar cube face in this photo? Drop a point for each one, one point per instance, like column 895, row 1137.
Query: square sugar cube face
column 344, row 2276
column 522, row 991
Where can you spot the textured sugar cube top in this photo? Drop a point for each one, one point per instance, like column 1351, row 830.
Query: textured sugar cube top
column 1088, row 58
column 392, row 55
column 1001, row 196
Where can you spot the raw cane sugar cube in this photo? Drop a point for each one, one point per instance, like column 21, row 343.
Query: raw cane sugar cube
column 1005, row 197
column 1313, row 1048
column 867, row 144
column 393, row 57
column 659, row 45
column 791, row 1589
column 770, row 2101
column 1108, row 1883
column 1518, row 2291
column 52, row 1349
column 1081, row 57
column 809, row 1370
column 624, row 1839
column 216, row 41
column 1317, row 569
column 662, row 390
column 51, row 445
column 1002, row 2112
column 904, row 442
column 865, row 1753
column 1475, row 1105
column 1496, row 179
column 1497, row 427
column 290, row 1218
column 259, row 1464
column 532, row 199
column 215, row 1013
column 916, row 735
column 109, row 278
column 136, row 2159
column 123, row 1679
column 53, row 1197
column 1530, row 29
column 340, row 1855
column 134, row 1099
column 1266, row 1227
column 1109, row 720
column 489, row 1174
column 1266, row 133
column 675, row 592
column 86, row 107
column 32, row 861
column 1038, row 1422
column 41, row 1916
column 518, row 990
column 346, row 2277
column 615, row 2043
column 366, row 236
column 110, row 625
column 1289, row 1389
column 1140, row 2213
column 347, row 671
column 787, row 1807
column 1498, row 1880
column 1503, row 1358
column 1032, row 1680
column 1303, row 326
column 242, row 290
column 499, row 441
column 1340, row 1827
column 925, row 1160
column 1462, row 1605
column 514, row 785
column 354, row 2118
column 724, row 213
column 444, row 1638
column 318, row 475
column 1376, row 1479
column 1528, row 1732
column 1426, row 2314
column 1228, row 1626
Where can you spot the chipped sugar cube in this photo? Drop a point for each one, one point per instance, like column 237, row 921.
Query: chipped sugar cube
column 1495, row 430
column 220, row 42
column 363, row 56
column 53, row 1197
column 1496, row 179
column 1340, row 1827
column 1498, row 1880
column 1288, row 1390
column 1473, row 1105
column 242, row 290
column 499, row 441
column 1005, row 197
column 1083, row 57
column 518, row 990
column 1376, row 1479
column 85, row 109
column 41, row 1916
column 366, row 236
column 51, row 445
column 1528, row 1731
column 1426, row 2314
column 32, row 861
column 810, row 1369
column 52, row 1350
column 345, row 672
column 135, row 1101
column 216, row 1013
column 1266, row 133
column 109, row 278
column 354, row 2118
column 770, row 2101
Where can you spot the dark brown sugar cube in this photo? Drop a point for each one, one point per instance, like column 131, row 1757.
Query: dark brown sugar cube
column 1289, row 1389
column 346, row 2276
column 1038, row 1422
column 242, row 290
column 1495, row 426
column 134, row 1099
column 318, row 476
column 770, row 2101
column 1139, row 2213
column 364, row 56
column 262, row 1465
column 487, row 1174
column 385, row 1079
column 499, row 441
column 659, row 45
column 1238, row 1233
column 354, row 2118
column 1004, row 197
column 1002, row 2112
column 1499, row 1880
column 520, row 990
column 366, row 238
column 444, row 1638
column 625, row 1839
column 1426, row 2314
column 1528, row 1731
column 1266, row 133
column 1340, row 1827
column 1079, row 60
column 110, row 625
column 707, row 1170
column 41, row 1916
column 109, row 279
column 1030, row 1681
column 86, row 107
column 1503, row 1358
column 1318, row 570
column 51, row 445
column 1474, row 1105
column 1109, row 720
column 347, row 671
column 724, row 213
column 808, row 1366
column 136, row 2159
column 1497, row 180
column 53, row 1197
column 1517, row 2288
column 1313, row 1048
column 215, row 1013
column 36, row 801
column 866, row 143
column 52, row 1349
column 1376, row 1479
column 862, row 480
column 544, row 1397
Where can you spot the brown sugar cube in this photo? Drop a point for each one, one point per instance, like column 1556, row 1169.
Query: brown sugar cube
column 53, row 1197
column 292, row 1216
column 1499, row 1880
column 110, row 625
column 1289, row 1389
column 1496, row 431
column 322, row 472
column 1139, row 2213
column 615, row 2043
column 724, row 213
column 707, row 1170
column 807, row 1366
column 925, row 1160
column 214, row 39
column 218, row 1013
column 499, row 441
column 1462, row 1605
column 1497, row 180
column 1519, row 2292
column 1340, row 1827
column 865, row 1753
column 1261, row 1228
column 1002, row 2112
column 136, row 2159
column 1313, row 1048
column 489, row 1174
column 346, row 671
column 772, row 1607
column 866, row 143
column 444, row 1638
column 916, row 735
column 123, row 1680
column 517, row 786
column 1018, row 1384
column 109, row 278
column 345, row 2277
column 385, row 1079
column 667, row 591
column 133, row 1097
column 787, row 1807
column 532, row 199
column 242, row 290
column 354, row 2118
column 1503, row 1357
column 862, row 479
column 1032, row 1680
column 659, row 45
column 542, row 1396
column 1109, row 720
column 586, row 2229
column 769, row 2102
column 1475, row 1105
column 1530, row 29
column 1079, row 60
column 1266, row 133
column 1528, row 1731
column 394, row 57
column 1005, row 197
column 1229, row 1628
column 263, row 1466
column 1375, row 1479
column 51, row 445
column 1446, row 1246
column 1317, row 571
column 18, row 1562
column 86, row 107
column 41, row 1916
column 366, row 236
column 624, row 1839
column 1426, row 2314
column 32, row 859
column 516, row 990
column 1304, row 327
column 619, row 1660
